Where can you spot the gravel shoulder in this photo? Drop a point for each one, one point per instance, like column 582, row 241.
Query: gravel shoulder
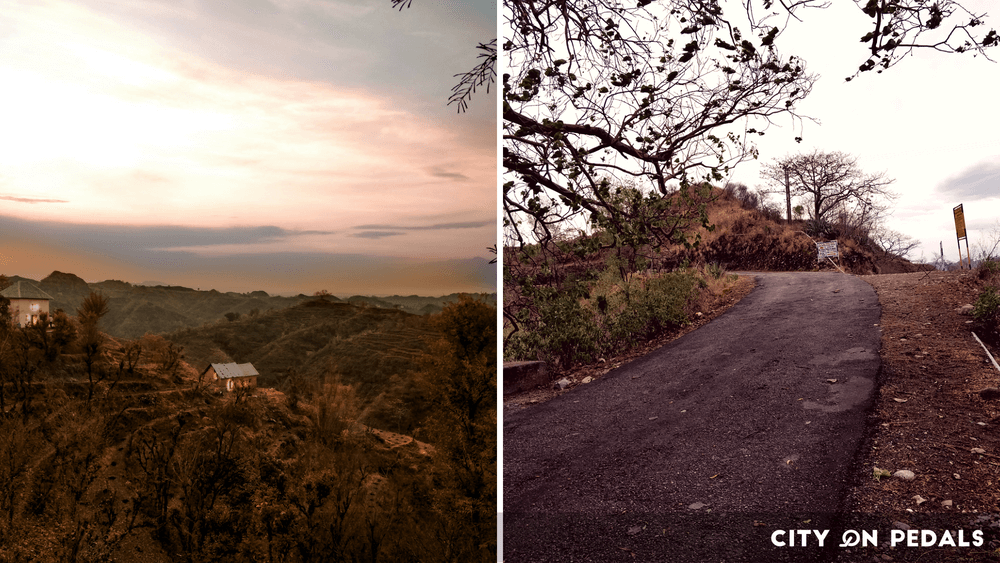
column 929, row 418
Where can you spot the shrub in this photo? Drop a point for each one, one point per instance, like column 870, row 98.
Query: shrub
column 986, row 305
column 654, row 309
column 986, row 313
column 988, row 269
column 715, row 270
column 564, row 334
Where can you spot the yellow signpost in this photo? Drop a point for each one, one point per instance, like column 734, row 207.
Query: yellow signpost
column 959, row 221
column 960, row 231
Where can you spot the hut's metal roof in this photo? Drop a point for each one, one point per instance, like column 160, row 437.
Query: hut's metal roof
column 231, row 370
column 24, row 290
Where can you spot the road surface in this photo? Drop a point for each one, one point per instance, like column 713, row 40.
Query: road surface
column 703, row 449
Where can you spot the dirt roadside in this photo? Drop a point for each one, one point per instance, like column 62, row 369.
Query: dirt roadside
column 929, row 417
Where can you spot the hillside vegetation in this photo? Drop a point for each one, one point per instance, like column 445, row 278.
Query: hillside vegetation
column 115, row 449
column 580, row 298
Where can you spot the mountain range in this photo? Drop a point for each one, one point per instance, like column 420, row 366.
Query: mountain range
column 135, row 310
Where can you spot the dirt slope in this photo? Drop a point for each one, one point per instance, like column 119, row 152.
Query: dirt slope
column 929, row 417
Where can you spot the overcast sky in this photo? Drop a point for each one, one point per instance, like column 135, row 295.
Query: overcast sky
column 930, row 123
column 283, row 145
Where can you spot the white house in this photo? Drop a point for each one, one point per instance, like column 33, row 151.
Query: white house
column 27, row 302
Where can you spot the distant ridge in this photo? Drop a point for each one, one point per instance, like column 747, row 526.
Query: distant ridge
column 137, row 309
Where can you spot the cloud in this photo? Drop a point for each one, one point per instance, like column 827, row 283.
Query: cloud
column 376, row 234
column 980, row 181
column 436, row 227
column 232, row 259
column 132, row 240
column 31, row 199
column 438, row 172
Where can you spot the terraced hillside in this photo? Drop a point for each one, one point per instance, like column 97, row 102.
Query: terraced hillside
column 373, row 349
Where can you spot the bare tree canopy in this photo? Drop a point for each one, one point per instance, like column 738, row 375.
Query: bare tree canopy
column 832, row 185
column 899, row 27
column 602, row 94
column 893, row 242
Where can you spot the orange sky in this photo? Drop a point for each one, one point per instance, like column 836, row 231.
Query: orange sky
column 200, row 127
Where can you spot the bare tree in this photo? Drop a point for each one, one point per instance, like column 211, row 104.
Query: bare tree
column 94, row 307
column 893, row 242
column 833, row 186
column 986, row 248
column 601, row 95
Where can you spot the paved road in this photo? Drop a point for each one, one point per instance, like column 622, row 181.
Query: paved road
column 702, row 449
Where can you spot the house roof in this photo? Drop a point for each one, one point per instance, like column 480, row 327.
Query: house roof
column 231, row 370
column 24, row 290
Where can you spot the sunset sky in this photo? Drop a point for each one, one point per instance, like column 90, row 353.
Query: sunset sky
column 283, row 145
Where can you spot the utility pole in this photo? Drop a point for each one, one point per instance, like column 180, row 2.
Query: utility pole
column 788, row 196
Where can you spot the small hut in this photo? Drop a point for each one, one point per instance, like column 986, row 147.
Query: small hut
column 231, row 376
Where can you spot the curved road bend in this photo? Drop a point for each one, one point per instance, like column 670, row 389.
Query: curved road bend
column 702, row 449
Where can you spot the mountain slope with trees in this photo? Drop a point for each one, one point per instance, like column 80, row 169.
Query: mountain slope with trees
column 114, row 449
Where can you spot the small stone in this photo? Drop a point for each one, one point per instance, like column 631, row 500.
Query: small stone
column 831, row 380
column 978, row 451
column 946, row 503
column 900, row 525
column 561, row 384
column 587, row 379
column 696, row 505
column 956, row 476
column 905, row 475
column 981, row 423
column 653, row 417
column 919, row 499
column 965, row 309
column 900, row 400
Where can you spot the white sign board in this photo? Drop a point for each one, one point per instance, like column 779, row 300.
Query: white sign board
column 827, row 249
